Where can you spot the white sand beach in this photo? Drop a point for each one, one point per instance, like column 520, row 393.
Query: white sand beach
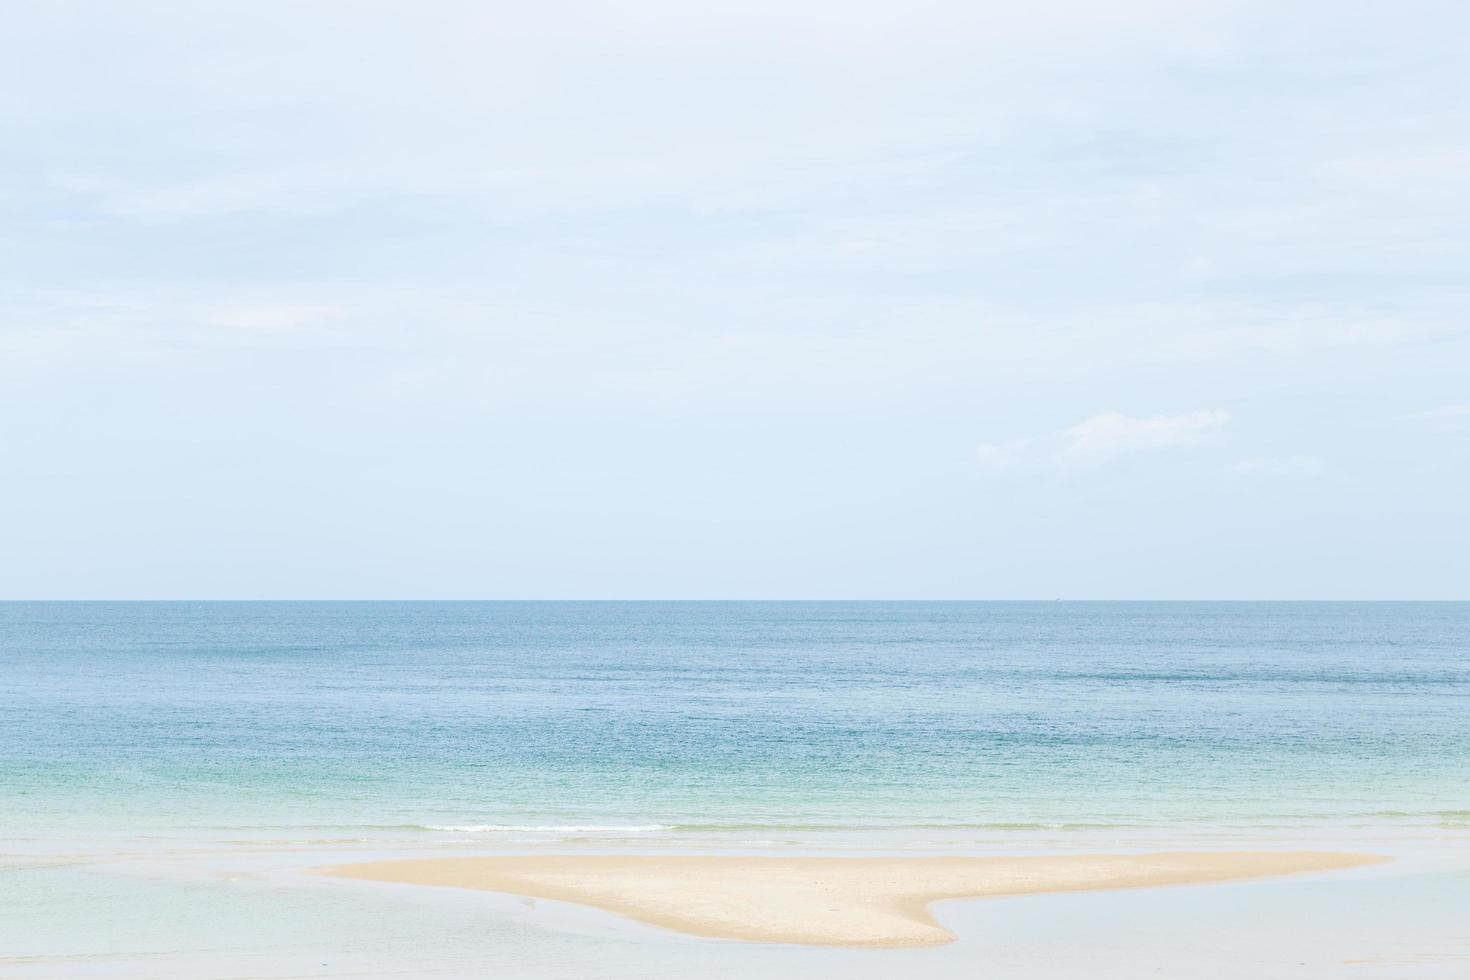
column 825, row 901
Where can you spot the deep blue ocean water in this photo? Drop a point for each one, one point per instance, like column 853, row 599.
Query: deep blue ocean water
column 281, row 718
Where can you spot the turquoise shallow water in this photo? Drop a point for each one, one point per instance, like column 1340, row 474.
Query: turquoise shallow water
column 313, row 720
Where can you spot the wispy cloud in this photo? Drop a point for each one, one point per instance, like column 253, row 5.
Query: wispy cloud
column 1110, row 435
column 1281, row 466
column 1445, row 417
column 1103, row 439
column 272, row 316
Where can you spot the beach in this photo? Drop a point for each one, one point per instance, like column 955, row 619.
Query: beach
column 537, row 790
column 229, row 910
column 791, row 490
column 825, row 901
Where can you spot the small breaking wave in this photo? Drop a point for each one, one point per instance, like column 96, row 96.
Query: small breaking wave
column 492, row 828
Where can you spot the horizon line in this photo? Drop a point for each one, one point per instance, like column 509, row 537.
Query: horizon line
column 646, row 600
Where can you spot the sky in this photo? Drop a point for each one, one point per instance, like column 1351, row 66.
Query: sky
column 932, row 299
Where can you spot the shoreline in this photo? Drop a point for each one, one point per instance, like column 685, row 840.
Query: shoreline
column 872, row 902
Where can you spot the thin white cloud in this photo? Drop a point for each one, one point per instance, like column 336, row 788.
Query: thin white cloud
column 272, row 316
column 1281, row 466
column 1000, row 456
column 1110, row 435
column 1105, row 438
column 1446, row 416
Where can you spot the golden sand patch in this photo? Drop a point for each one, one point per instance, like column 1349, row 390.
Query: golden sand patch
column 825, row 901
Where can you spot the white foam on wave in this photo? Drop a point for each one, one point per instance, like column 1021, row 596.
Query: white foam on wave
column 491, row 828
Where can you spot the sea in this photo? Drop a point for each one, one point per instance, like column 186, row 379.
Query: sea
column 171, row 771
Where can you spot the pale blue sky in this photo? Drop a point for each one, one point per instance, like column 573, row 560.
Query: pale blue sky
column 758, row 299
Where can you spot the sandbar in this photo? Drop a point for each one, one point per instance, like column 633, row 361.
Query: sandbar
column 825, row 901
